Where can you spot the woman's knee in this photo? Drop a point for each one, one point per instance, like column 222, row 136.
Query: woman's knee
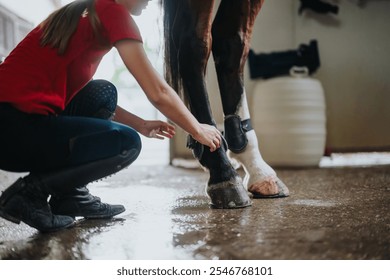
column 111, row 140
column 130, row 139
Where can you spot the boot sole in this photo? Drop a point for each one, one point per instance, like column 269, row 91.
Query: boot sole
column 91, row 217
column 57, row 229
column 74, row 215
column 103, row 216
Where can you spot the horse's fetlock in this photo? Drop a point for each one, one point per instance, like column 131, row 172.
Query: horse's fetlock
column 196, row 147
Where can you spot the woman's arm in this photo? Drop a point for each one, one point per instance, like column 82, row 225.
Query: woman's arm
column 156, row 129
column 125, row 117
column 162, row 96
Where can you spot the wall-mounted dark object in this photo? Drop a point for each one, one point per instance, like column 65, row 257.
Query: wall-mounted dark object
column 318, row 6
column 268, row 65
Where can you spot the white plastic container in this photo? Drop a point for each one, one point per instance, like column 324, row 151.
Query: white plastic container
column 289, row 117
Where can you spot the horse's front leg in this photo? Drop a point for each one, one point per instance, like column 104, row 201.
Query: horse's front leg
column 231, row 31
column 225, row 187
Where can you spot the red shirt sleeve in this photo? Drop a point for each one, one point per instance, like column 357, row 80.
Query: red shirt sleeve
column 117, row 22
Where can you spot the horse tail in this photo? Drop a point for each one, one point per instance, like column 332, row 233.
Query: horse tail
column 175, row 14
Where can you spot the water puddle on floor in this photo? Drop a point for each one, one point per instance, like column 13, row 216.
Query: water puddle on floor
column 313, row 202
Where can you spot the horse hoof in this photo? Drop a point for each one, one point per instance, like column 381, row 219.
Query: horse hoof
column 272, row 187
column 229, row 194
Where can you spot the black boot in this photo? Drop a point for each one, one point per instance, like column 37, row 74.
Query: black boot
column 26, row 201
column 80, row 203
column 77, row 201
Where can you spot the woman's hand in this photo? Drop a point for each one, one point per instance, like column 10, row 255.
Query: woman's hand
column 209, row 136
column 157, row 129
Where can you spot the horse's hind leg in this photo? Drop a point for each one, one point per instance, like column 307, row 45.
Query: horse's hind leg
column 193, row 38
column 231, row 31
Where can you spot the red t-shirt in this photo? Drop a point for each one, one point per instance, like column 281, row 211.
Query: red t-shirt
column 37, row 80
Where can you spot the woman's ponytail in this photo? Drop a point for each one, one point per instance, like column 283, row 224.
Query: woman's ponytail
column 59, row 27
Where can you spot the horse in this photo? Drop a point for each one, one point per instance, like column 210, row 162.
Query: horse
column 191, row 35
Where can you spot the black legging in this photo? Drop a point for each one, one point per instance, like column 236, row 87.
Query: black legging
column 82, row 134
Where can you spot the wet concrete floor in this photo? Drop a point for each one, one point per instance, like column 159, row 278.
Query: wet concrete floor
column 332, row 213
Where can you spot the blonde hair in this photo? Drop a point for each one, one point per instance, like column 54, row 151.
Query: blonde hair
column 59, row 26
